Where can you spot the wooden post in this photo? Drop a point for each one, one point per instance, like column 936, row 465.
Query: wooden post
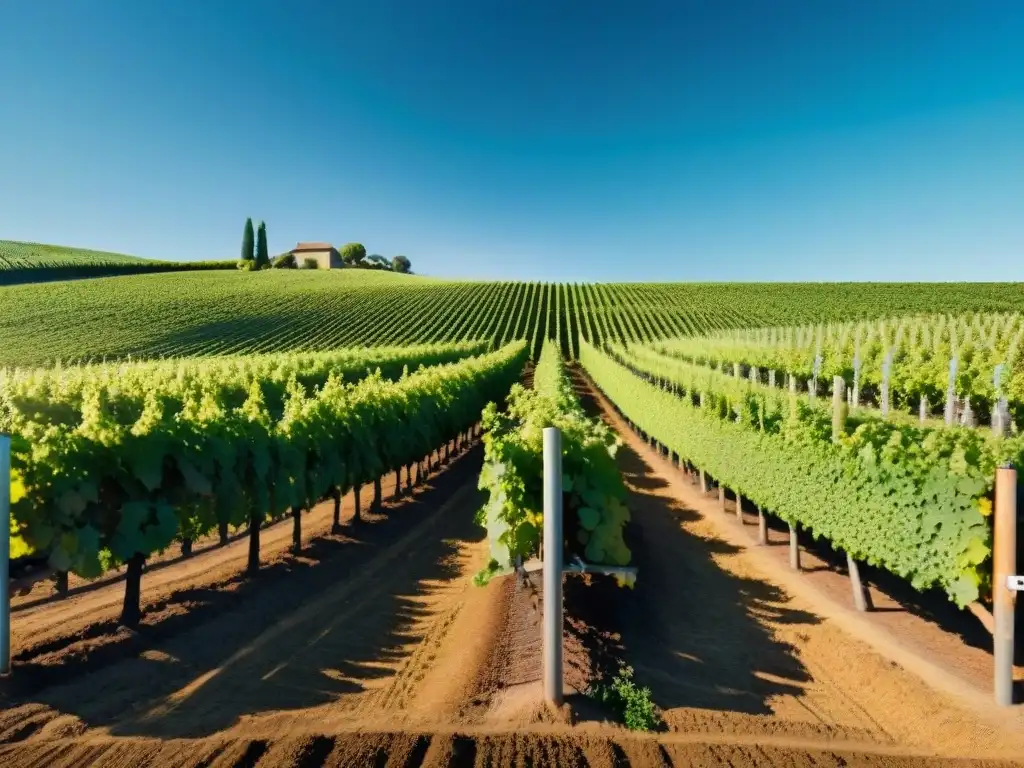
column 792, row 396
column 739, row 507
column 1000, row 408
column 886, row 370
column 951, row 391
column 861, row 596
column 839, row 408
column 794, row 549
column 967, row 417
column 1004, row 567
column 721, row 496
column 703, row 483
column 771, row 378
column 813, row 385
column 856, row 379
column 923, row 409
column 762, row 527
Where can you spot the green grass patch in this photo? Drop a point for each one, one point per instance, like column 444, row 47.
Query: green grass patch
column 630, row 702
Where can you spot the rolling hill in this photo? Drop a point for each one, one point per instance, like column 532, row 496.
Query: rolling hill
column 217, row 312
column 16, row 255
column 22, row 263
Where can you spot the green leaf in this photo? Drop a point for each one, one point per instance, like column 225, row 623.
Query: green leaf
column 148, row 468
column 128, row 539
column 71, row 504
column 975, row 553
column 195, row 481
column 588, row 517
column 161, row 533
column 964, row 590
column 60, row 559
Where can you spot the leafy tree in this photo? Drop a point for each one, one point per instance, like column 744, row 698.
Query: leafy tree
column 248, row 242
column 353, row 254
column 379, row 262
column 285, row 261
column 401, row 264
column 262, row 257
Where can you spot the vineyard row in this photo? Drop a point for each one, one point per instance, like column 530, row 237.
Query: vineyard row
column 189, row 314
column 913, row 500
column 107, row 491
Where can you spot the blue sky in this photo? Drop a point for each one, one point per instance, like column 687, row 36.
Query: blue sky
column 552, row 140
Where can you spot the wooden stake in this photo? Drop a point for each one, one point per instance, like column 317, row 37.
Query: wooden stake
column 951, row 391
column 886, row 375
column 839, row 408
column 721, row 497
column 794, row 549
column 762, row 527
column 1004, row 565
column 861, row 596
column 739, row 507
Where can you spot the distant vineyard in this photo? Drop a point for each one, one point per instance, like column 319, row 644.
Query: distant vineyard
column 35, row 262
column 14, row 255
column 954, row 367
column 184, row 314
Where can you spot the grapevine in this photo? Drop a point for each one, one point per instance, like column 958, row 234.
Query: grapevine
column 108, row 490
column 914, row 500
column 594, row 494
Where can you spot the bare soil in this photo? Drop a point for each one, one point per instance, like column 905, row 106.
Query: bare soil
column 374, row 648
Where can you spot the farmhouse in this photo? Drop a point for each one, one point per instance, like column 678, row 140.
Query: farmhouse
column 325, row 254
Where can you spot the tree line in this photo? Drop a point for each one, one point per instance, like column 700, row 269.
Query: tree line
column 354, row 255
column 255, row 255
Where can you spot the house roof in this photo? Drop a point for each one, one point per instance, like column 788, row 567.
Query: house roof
column 312, row 247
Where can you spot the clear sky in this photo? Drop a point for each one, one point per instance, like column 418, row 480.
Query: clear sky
column 536, row 139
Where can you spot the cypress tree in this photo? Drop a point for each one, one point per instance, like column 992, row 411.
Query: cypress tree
column 262, row 256
column 248, row 242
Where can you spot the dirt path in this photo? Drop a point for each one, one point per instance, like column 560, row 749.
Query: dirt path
column 377, row 650
column 50, row 635
column 726, row 650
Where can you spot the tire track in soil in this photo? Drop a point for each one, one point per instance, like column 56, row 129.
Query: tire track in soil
column 456, row 749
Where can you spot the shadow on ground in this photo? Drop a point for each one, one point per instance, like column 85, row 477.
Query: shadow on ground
column 697, row 634
column 304, row 632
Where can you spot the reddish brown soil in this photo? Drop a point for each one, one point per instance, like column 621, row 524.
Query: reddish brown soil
column 948, row 646
column 53, row 637
column 375, row 649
